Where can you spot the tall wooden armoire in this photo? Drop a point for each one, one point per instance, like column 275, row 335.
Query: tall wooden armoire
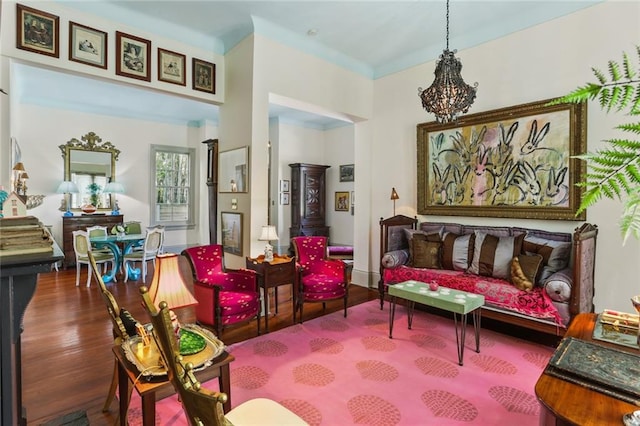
column 308, row 200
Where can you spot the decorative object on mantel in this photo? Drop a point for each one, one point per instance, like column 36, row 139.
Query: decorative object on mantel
column 14, row 206
column 67, row 187
column 114, row 188
column 394, row 197
column 23, row 235
column 268, row 234
column 448, row 96
column 19, row 186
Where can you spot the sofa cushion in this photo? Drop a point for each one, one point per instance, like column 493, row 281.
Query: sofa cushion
column 555, row 254
column 457, row 251
column 426, row 254
column 393, row 259
column 415, row 235
column 492, row 255
column 558, row 285
column 524, row 269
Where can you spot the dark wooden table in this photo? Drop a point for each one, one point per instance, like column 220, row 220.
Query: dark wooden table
column 148, row 391
column 281, row 271
column 564, row 403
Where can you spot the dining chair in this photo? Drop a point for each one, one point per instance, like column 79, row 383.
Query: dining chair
column 225, row 296
column 152, row 246
column 98, row 231
column 321, row 279
column 82, row 248
column 203, row 406
column 124, row 326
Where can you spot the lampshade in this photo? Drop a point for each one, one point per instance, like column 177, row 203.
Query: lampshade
column 67, row 187
column 19, row 167
column 448, row 96
column 268, row 233
column 168, row 285
column 114, row 188
column 24, row 175
column 394, row 194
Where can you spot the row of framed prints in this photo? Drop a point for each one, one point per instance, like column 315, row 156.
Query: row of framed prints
column 39, row 32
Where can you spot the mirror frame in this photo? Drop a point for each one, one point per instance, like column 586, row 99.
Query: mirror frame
column 89, row 142
column 225, row 176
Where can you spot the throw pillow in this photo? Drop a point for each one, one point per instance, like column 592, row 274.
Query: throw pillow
column 426, row 254
column 413, row 235
column 555, row 254
column 524, row 269
column 393, row 259
column 457, row 251
column 558, row 285
column 492, row 255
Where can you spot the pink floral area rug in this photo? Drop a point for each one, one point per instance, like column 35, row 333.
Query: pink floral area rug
column 347, row 371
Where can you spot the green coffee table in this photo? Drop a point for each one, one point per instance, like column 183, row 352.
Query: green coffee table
column 456, row 301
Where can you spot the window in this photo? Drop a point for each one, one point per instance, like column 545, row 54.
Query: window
column 172, row 200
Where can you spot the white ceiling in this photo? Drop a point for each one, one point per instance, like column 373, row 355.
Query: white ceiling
column 374, row 38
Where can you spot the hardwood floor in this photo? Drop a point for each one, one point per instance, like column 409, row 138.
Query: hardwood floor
column 67, row 361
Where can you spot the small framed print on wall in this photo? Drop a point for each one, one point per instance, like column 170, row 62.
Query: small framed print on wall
column 37, row 31
column 87, row 45
column 132, row 56
column 342, row 201
column 284, row 185
column 231, row 226
column 171, row 67
column 284, row 199
column 204, row 76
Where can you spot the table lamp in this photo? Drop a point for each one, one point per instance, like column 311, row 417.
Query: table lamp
column 168, row 285
column 114, row 188
column 268, row 234
column 67, row 187
column 394, row 197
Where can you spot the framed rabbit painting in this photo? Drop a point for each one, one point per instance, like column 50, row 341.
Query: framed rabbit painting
column 516, row 162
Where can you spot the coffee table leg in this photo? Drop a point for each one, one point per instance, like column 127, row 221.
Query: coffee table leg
column 476, row 326
column 224, row 381
column 461, row 332
column 411, row 306
column 392, row 314
column 149, row 409
column 123, row 393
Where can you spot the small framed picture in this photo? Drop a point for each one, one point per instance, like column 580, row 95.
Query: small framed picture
column 204, row 76
column 37, row 31
column 133, row 56
column 171, row 67
column 342, row 201
column 347, row 173
column 284, row 186
column 231, row 226
column 353, row 198
column 284, row 199
column 87, row 45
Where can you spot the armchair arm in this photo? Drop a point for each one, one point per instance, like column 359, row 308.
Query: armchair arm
column 245, row 279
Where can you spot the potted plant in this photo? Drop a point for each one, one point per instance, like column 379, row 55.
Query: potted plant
column 614, row 172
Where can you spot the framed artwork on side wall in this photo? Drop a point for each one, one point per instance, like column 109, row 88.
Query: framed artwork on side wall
column 133, row 56
column 231, row 226
column 342, row 201
column 87, row 45
column 37, row 31
column 171, row 67
column 204, row 76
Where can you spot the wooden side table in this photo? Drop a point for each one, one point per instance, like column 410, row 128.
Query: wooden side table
column 281, row 271
column 565, row 403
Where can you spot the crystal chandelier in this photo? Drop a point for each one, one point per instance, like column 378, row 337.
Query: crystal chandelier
column 448, row 96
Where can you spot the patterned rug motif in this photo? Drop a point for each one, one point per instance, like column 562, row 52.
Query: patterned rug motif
column 337, row 371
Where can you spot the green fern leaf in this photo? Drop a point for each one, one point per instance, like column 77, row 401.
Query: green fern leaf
column 599, row 75
column 626, row 97
column 632, row 128
column 635, row 107
column 629, row 72
column 614, row 70
column 630, row 220
column 605, row 96
column 615, row 98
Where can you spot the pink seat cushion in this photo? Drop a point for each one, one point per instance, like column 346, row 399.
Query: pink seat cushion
column 238, row 306
column 322, row 287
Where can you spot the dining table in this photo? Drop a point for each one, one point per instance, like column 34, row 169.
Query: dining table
column 119, row 244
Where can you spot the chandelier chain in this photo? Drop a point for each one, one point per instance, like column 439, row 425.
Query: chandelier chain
column 447, row 24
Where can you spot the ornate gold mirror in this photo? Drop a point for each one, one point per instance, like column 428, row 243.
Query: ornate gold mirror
column 90, row 163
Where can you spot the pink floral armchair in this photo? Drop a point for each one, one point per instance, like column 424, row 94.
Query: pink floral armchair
column 225, row 297
column 321, row 279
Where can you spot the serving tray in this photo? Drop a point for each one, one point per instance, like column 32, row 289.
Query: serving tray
column 147, row 359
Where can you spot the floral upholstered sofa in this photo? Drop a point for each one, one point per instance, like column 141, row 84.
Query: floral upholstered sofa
column 529, row 277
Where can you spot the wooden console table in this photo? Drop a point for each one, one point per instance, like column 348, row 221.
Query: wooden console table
column 564, row 403
column 81, row 223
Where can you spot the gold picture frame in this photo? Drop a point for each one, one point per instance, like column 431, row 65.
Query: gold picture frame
column 133, row 56
column 342, row 201
column 171, row 67
column 516, row 162
column 37, row 31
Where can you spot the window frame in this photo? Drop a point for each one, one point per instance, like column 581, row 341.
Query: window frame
column 190, row 223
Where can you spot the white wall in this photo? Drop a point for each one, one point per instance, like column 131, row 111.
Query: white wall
column 339, row 150
column 55, row 127
column 541, row 62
